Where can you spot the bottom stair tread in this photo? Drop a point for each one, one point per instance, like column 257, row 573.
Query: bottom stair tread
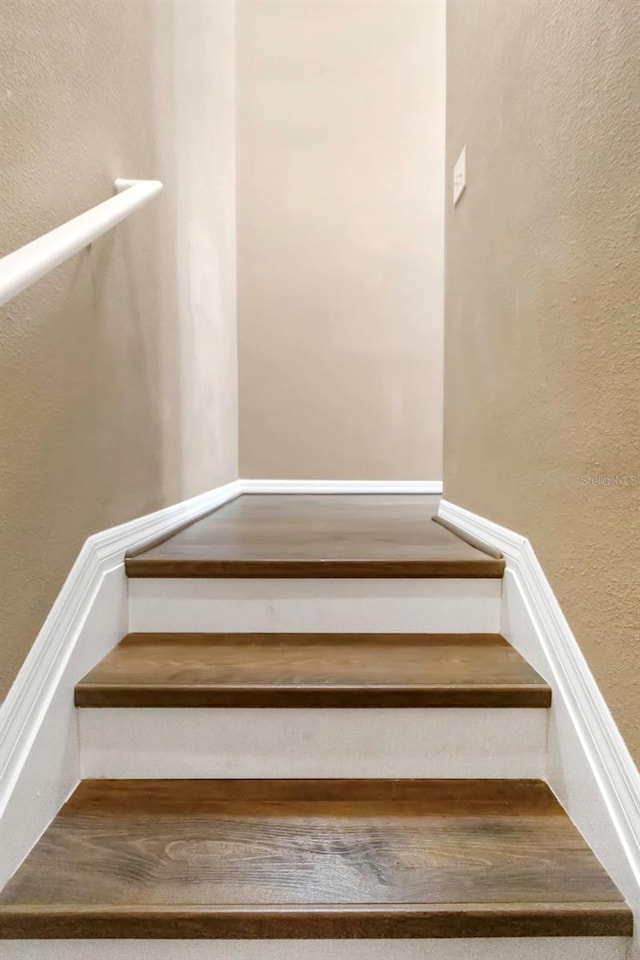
column 311, row 859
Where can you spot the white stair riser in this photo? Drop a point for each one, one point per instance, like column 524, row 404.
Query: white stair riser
column 507, row 948
column 308, row 742
column 436, row 606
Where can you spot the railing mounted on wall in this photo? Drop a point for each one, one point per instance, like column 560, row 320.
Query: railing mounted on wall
column 20, row 269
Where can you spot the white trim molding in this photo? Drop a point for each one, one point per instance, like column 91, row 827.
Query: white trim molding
column 342, row 486
column 92, row 607
column 589, row 765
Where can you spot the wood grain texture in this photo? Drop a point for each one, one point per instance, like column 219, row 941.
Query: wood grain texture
column 313, row 670
column 435, row 796
column 337, row 536
column 312, row 922
column 311, row 859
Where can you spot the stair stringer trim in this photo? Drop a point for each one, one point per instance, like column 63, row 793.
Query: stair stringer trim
column 39, row 753
column 588, row 764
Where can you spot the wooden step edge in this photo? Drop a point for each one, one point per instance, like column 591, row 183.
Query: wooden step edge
column 327, row 696
column 485, row 568
column 316, row 921
column 489, row 797
column 337, row 638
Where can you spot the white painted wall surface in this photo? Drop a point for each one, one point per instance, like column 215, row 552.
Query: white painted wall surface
column 340, row 173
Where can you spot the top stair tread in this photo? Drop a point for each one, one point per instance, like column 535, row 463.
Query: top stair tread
column 311, row 858
column 350, row 536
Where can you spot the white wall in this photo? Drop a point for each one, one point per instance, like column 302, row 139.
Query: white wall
column 118, row 370
column 340, row 172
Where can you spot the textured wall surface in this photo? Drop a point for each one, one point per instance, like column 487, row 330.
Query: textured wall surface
column 340, row 237
column 543, row 293
column 118, row 370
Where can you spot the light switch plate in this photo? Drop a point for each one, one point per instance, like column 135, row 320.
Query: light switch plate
column 460, row 175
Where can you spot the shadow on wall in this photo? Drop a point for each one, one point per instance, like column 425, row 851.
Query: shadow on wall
column 111, row 406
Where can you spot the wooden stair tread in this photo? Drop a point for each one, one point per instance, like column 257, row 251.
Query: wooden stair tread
column 303, row 670
column 316, row 536
column 320, row 858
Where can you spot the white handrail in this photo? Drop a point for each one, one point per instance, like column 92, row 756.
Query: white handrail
column 20, row 269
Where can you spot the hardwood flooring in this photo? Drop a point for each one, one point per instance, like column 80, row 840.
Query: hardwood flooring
column 282, row 859
column 317, row 536
column 313, row 670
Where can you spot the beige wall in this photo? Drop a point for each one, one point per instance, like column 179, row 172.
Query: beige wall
column 340, row 237
column 542, row 295
column 117, row 371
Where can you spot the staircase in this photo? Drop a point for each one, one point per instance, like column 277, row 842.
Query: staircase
column 313, row 742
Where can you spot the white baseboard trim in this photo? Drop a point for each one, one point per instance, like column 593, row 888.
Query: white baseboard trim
column 341, row 486
column 589, row 765
column 31, row 710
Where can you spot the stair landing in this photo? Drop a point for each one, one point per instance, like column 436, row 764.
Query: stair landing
column 363, row 535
